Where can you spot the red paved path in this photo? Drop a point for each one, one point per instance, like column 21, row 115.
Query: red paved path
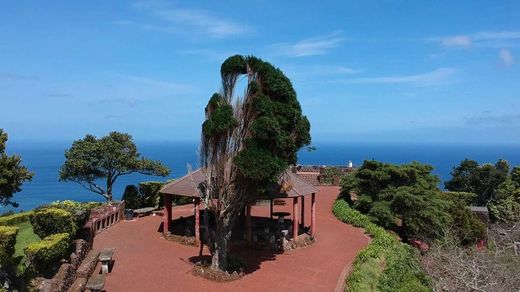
column 146, row 262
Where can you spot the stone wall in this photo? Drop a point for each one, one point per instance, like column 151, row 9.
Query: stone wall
column 82, row 263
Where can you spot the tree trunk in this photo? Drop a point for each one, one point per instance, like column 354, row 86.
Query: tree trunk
column 221, row 242
column 109, row 189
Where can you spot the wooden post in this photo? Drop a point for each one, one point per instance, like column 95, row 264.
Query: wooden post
column 271, row 210
column 313, row 214
column 295, row 219
column 248, row 223
column 168, row 216
column 197, row 221
column 302, row 220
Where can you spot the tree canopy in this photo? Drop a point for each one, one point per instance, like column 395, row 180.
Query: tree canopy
column 405, row 198
column 12, row 173
column 482, row 180
column 90, row 160
column 247, row 142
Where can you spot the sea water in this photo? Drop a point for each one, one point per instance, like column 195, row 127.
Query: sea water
column 45, row 160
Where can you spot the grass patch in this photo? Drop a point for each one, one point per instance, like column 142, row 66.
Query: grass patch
column 25, row 237
column 386, row 264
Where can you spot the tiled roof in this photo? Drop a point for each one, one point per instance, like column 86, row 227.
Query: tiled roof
column 309, row 177
column 187, row 186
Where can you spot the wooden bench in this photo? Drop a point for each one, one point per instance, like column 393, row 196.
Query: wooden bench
column 96, row 282
column 144, row 211
column 105, row 257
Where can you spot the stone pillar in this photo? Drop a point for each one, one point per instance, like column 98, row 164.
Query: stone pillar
column 168, row 216
column 197, row 221
column 295, row 219
column 302, row 208
column 248, row 223
column 271, row 209
column 313, row 214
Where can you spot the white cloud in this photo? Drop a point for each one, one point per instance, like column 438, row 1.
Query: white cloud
column 506, row 58
column 189, row 21
column 457, row 41
column 483, row 39
column 311, row 46
column 436, row 77
column 497, row 35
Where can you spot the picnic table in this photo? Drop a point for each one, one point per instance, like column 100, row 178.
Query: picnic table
column 281, row 215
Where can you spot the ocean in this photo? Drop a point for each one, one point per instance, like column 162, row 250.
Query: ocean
column 45, row 159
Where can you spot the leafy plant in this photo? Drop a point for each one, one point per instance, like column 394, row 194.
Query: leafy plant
column 15, row 218
column 7, row 243
column 385, row 264
column 12, row 173
column 404, row 198
column 91, row 159
column 247, row 142
column 44, row 256
column 52, row 220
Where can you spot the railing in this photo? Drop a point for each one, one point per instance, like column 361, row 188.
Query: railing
column 316, row 174
column 321, row 168
column 105, row 216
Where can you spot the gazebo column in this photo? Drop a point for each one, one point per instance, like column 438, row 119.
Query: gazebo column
column 168, row 216
column 248, row 223
column 313, row 214
column 295, row 218
column 271, row 209
column 302, row 220
column 197, row 221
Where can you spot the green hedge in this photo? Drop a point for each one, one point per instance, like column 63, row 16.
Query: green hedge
column 80, row 211
column 52, row 220
column 15, row 218
column 386, row 264
column 45, row 255
column 7, row 242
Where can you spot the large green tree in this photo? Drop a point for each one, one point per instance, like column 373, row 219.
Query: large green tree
column 91, row 160
column 405, row 198
column 247, row 142
column 482, row 180
column 12, row 173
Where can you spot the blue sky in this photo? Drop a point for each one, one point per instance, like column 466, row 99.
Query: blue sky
column 377, row 71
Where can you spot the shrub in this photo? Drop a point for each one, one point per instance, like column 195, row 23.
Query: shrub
column 80, row 211
column 404, row 198
column 7, row 242
column 45, row 255
column 505, row 210
column 330, row 173
column 147, row 195
column 132, row 197
column 456, row 268
column 466, row 226
column 52, row 220
column 386, row 264
column 15, row 218
column 150, row 195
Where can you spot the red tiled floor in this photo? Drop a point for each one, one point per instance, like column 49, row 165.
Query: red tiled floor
column 144, row 261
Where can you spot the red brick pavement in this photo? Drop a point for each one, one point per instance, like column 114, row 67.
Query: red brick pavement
column 144, row 261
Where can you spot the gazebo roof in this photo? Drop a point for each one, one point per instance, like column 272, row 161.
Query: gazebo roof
column 187, row 186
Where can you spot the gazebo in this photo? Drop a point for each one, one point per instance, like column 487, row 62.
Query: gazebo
column 289, row 186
